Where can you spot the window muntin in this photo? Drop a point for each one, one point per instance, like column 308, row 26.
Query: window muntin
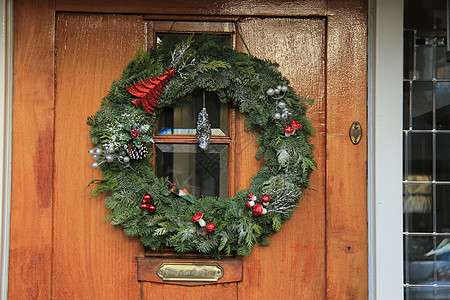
column 426, row 157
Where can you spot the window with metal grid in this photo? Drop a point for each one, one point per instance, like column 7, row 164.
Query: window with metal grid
column 426, row 152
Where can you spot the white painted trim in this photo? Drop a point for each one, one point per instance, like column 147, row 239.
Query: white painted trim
column 385, row 93
column 6, row 76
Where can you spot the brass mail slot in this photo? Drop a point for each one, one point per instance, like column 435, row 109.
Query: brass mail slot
column 190, row 271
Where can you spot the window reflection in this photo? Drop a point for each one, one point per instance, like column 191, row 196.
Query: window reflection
column 183, row 121
column 202, row 173
column 426, row 152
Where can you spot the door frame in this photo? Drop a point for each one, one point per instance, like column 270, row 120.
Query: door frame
column 5, row 165
column 6, row 77
column 385, row 94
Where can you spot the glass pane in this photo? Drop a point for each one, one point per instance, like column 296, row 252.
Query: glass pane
column 408, row 54
column 419, row 160
column 444, row 292
column 405, row 154
column 419, row 259
column 419, row 293
column 441, row 14
column 443, row 208
column 183, row 121
column 223, row 39
column 202, row 173
column 422, row 105
column 418, row 14
column 442, row 66
column 417, row 207
column 441, row 254
column 406, row 100
column 443, row 105
column 442, row 156
column 424, row 62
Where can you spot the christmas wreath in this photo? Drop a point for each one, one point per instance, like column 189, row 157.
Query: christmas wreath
column 155, row 209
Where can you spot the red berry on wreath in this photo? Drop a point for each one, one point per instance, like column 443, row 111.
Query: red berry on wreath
column 210, row 227
column 265, row 199
column 152, row 208
column 147, row 198
column 144, row 206
column 136, row 133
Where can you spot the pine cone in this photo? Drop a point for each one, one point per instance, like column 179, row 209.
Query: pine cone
column 137, row 153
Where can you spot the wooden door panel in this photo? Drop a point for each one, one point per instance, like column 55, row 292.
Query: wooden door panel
column 61, row 248
column 199, row 7
column 347, row 275
column 32, row 156
column 294, row 264
column 91, row 260
column 156, row 291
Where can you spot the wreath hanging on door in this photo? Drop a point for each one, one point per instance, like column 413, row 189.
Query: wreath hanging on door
column 162, row 213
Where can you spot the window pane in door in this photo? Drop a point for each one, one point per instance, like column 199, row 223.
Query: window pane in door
column 202, row 173
column 418, row 207
column 442, row 90
column 406, row 104
column 418, row 14
column 420, row 263
column 443, row 209
column 419, row 162
column 443, row 156
column 183, row 121
column 424, row 61
column 422, row 105
column 442, row 66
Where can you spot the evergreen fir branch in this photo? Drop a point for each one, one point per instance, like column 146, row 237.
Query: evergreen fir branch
column 215, row 65
column 160, row 231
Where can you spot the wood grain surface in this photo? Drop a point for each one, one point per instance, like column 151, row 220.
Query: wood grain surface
column 199, row 7
column 346, row 163
column 294, row 264
column 91, row 259
column 32, row 157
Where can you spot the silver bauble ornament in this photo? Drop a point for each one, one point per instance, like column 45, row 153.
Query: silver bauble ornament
column 270, row 92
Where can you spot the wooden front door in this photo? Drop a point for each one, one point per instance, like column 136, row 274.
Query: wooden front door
column 67, row 54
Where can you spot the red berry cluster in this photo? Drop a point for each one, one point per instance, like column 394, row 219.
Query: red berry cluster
column 257, row 208
column 135, row 133
column 146, row 203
